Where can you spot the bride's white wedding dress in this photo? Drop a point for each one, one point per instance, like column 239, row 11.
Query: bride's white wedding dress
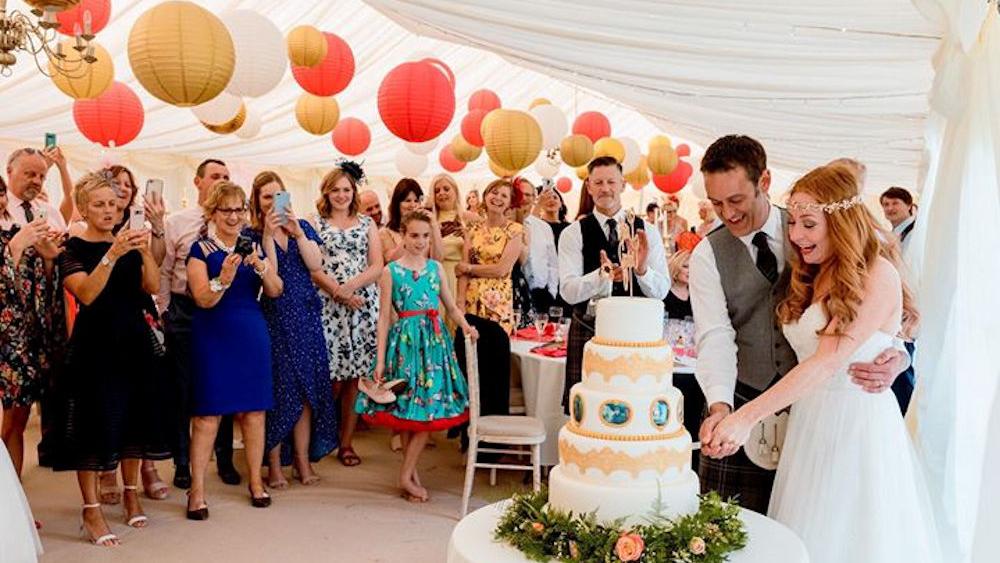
column 18, row 538
column 848, row 482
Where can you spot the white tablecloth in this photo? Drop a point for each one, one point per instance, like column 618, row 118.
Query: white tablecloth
column 542, row 379
column 472, row 541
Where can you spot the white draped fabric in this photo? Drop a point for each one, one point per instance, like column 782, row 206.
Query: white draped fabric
column 812, row 79
column 956, row 228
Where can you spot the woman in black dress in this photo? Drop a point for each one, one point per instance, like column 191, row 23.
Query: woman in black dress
column 109, row 408
column 677, row 303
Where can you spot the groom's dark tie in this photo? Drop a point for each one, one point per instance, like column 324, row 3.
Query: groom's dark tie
column 766, row 262
column 612, row 239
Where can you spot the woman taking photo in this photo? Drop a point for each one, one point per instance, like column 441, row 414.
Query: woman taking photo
column 231, row 348
column 107, row 409
column 303, row 420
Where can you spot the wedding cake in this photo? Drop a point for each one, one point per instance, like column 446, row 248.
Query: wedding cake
column 625, row 445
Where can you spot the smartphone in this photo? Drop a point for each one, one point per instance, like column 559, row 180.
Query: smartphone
column 154, row 186
column 50, row 140
column 244, row 246
column 42, row 213
column 282, row 204
column 137, row 219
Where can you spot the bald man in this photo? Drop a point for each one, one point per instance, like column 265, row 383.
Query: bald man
column 371, row 206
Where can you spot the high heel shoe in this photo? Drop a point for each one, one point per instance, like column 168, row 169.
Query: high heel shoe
column 138, row 518
column 200, row 513
column 99, row 541
column 261, row 501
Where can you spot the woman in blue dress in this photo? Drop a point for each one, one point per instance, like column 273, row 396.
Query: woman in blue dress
column 417, row 350
column 303, row 419
column 230, row 346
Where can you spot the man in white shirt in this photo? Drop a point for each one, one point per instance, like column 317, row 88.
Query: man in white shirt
column 589, row 261
column 370, row 206
column 26, row 172
column 897, row 205
column 182, row 229
column 736, row 283
column 542, row 267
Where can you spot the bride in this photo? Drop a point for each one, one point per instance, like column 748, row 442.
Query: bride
column 848, row 482
column 18, row 538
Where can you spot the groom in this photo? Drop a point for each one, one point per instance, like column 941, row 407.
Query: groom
column 736, row 283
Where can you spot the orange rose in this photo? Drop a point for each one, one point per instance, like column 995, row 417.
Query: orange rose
column 629, row 547
column 537, row 527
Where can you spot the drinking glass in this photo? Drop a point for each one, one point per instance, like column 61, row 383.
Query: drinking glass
column 516, row 317
column 541, row 320
column 563, row 331
column 555, row 314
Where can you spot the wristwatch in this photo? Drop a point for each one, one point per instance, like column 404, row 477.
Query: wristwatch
column 105, row 261
column 217, row 286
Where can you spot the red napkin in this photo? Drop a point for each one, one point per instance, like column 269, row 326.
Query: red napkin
column 529, row 333
column 550, row 350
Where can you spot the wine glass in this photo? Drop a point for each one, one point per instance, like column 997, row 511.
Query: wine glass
column 555, row 314
column 516, row 318
column 563, row 331
column 541, row 320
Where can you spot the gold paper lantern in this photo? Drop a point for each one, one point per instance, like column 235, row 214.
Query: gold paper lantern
column 307, row 46
column 316, row 114
column 500, row 171
column 658, row 142
column 640, row 176
column 52, row 5
column 539, row 102
column 582, row 172
column 181, row 53
column 231, row 126
column 512, row 138
column 90, row 80
column 576, row 150
column 464, row 150
column 609, row 146
column 662, row 160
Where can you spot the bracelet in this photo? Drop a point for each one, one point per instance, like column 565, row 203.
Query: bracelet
column 157, row 233
column 261, row 272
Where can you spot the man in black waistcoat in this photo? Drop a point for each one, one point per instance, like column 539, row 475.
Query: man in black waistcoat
column 589, row 261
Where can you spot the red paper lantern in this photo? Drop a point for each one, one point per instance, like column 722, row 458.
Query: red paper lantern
column 593, row 124
column 351, row 136
column 448, row 160
column 333, row 74
column 471, row 125
column 113, row 118
column 73, row 19
column 683, row 150
column 485, row 101
column 564, row 184
column 676, row 180
column 687, row 241
column 416, row 100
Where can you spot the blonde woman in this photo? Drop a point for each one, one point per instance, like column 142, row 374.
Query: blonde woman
column 450, row 224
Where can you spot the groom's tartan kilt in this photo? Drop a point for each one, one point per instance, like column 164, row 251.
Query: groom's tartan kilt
column 581, row 330
column 737, row 476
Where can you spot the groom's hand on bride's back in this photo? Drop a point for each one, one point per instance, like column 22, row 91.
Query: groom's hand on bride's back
column 716, row 412
column 878, row 375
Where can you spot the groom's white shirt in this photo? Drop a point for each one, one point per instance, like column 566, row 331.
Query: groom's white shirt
column 714, row 333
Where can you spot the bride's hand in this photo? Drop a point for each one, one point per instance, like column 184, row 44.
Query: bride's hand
column 731, row 433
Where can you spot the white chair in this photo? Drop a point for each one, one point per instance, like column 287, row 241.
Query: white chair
column 497, row 429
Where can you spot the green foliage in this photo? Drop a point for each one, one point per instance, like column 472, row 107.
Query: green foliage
column 543, row 533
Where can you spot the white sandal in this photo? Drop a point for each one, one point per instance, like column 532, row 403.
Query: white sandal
column 131, row 522
column 100, row 541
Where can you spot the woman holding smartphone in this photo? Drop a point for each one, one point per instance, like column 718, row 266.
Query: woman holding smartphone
column 303, row 420
column 231, row 348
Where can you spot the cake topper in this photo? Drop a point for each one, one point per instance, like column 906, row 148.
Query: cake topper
column 627, row 243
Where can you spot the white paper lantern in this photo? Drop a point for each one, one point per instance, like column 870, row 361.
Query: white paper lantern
column 546, row 168
column 632, row 154
column 220, row 109
column 410, row 165
column 422, row 148
column 552, row 122
column 260, row 53
column 251, row 127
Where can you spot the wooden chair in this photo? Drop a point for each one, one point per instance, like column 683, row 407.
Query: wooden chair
column 505, row 430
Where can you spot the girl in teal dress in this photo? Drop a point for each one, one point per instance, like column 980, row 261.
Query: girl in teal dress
column 418, row 350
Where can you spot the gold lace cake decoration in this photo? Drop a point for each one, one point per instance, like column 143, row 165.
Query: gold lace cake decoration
column 633, row 366
column 608, row 461
column 626, row 344
column 579, row 431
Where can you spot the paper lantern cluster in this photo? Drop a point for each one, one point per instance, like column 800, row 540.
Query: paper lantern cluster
column 416, row 100
column 112, row 119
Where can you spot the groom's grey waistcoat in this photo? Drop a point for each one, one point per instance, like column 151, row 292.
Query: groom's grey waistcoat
column 762, row 353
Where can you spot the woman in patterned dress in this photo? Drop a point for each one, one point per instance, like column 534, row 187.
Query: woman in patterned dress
column 419, row 351
column 352, row 263
column 485, row 288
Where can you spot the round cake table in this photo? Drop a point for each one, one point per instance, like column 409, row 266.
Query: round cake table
column 472, row 541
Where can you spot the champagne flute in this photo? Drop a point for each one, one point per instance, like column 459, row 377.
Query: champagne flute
column 516, row 317
column 563, row 331
column 541, row 319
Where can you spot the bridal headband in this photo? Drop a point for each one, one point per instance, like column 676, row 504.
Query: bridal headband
column 827, row 207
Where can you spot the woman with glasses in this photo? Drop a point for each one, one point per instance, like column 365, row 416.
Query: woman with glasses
column 231, row 349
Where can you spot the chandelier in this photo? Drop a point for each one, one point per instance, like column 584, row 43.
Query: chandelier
column 36, row 35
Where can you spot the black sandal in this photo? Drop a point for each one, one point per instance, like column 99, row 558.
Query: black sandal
column 259, row 502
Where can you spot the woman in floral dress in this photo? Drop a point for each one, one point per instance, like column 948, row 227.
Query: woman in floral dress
column 491, row 248
column 352, row 263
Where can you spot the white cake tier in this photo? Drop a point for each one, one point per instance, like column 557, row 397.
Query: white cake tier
column 629, row 319
column 645, row 369
column 608, row 462
column 623, row 414
column 634, row 502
